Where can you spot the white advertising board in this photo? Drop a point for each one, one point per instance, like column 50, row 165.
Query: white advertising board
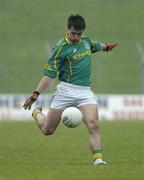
column 122, row 107
column 111, row 107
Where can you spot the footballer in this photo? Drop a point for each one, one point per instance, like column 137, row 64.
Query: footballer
column 71, row 61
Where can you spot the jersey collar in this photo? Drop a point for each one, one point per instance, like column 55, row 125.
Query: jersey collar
column 68, row 39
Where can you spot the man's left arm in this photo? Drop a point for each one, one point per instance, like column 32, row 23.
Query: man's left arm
column 108, row 47
column 98, row 46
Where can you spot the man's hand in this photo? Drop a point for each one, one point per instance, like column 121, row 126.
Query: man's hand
column 110, row 46
column 31, row 100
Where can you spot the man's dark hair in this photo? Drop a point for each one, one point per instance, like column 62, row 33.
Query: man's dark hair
column 77, row 22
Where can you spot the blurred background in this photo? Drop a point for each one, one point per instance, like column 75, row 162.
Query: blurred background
column 30, row 28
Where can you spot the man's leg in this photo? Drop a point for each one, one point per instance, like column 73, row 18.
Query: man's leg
column 90, row 118
column 49, row 123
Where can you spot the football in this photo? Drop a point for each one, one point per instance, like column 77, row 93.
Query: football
column 71, row 117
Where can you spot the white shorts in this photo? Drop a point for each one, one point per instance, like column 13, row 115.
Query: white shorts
column 67, row 95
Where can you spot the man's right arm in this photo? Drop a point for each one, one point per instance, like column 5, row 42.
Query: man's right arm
column 50, row 72
column 43, row 84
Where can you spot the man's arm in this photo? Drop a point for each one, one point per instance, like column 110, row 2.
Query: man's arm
column 98, row 46
column 43, row 84
column 108, row 47
column 103, row 46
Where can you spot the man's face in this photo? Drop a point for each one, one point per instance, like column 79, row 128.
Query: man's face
column 74, row 35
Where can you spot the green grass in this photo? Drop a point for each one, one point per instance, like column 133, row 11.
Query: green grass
column 25, row 154
column 28, row 24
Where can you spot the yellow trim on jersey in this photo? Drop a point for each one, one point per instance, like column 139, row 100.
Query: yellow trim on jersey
column 70, row 70
column 47, row 66
column 55, row 59
column 67, row 38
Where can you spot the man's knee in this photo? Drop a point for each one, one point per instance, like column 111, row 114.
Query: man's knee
column 93, row 125
column 48, row 131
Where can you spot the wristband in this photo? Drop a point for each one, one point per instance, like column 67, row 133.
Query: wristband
column 36, row 93
column 107, row 47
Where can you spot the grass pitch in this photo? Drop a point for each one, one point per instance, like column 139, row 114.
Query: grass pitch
column 26, row 154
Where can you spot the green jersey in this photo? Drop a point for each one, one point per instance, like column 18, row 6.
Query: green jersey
column 72, row 61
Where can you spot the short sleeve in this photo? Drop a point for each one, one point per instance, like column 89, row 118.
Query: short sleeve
column 54, row 61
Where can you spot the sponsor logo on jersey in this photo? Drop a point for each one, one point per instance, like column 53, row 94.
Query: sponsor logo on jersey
column 81, row 55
